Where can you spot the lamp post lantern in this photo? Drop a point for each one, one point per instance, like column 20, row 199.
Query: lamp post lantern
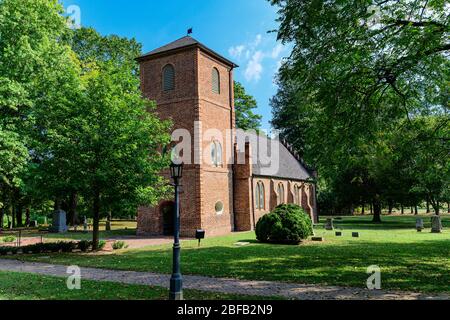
column 176, row 281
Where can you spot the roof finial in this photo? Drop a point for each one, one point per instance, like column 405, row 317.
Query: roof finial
column 190, row 31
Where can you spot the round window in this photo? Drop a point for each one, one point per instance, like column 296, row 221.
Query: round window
column 219, row 207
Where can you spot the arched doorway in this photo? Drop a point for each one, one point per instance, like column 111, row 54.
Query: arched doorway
column 168, row 220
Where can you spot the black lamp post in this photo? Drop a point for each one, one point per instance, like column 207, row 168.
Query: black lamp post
column 176, row 281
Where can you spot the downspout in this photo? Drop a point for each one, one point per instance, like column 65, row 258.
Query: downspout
column 253, row 203
column 233, row 167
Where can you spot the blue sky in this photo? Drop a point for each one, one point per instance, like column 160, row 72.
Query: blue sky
column 238, row 29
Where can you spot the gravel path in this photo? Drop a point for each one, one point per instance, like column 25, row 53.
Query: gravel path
column 233, row 286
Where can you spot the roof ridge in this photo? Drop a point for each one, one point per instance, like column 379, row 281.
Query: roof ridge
column 297, row 156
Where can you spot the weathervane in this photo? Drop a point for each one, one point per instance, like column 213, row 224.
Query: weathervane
column 190, row 31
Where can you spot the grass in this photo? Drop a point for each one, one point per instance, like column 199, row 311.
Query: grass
column 24, row 286
column 409, row 260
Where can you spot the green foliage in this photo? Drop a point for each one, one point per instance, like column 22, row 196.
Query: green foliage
column 101, row 245
column 287, row 224
column 8, row 239
column 355, row 81
column 118, row 245
column 244, row 105
column 84, row 245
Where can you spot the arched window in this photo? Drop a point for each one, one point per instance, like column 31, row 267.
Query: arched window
column 216, row 154
column 297, row 195
column 261, row 196
column 168, row 78
column 280, row 199
column 215, row 81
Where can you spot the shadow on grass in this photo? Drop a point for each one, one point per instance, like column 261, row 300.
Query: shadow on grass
column 421, row 266
column 388, row 222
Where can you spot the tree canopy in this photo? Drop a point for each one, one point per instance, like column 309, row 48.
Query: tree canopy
column 359, row 73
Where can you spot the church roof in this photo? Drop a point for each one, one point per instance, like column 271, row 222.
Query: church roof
column 285, row 163
column 186, row 42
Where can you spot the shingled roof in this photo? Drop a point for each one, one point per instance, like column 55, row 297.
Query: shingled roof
column 287, row 165
column 186, row 42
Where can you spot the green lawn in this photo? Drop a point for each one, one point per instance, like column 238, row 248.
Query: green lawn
column 409, row 260
column 24, row 286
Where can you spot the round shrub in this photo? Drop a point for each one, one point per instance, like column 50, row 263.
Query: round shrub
column 287, row 224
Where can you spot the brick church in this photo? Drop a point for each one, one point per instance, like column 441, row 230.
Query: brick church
column 193, row 86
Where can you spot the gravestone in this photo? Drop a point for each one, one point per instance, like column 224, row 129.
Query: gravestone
column 355, row 234
column 329, row 224
column 85, row 225
column 59, row 224
column 338, row 234
column 419, row 225
column 317, row 239
column 436, row 224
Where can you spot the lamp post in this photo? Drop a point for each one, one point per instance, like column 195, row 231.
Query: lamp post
column 176, row 281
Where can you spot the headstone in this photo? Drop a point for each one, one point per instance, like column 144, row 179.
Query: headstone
column 59, row 224
column 85, row 225
column 108, row 226
column 329, row 224
column 355, row 234
column 338, row 234
column 317, row 239
column 419, row 225
column 436, row 224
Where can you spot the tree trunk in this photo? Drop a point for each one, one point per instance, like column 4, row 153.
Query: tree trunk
column 19, row 213
column 96, row 212
column 27, row 217
column 371, row 209
column 416, row 210
column 412, row 210
column 363, row 212
column 448, row 206
column 377, row 212
column 11, row 210
column 428, row 207
column 72, row 216
column 391, row 207
column 2, row 214
column 403, row 209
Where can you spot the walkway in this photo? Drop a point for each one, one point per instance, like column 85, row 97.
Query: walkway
column 233, row 286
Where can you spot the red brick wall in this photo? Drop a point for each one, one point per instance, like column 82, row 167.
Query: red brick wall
column 193, row 100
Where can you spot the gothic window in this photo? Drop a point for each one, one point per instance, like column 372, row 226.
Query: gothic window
column 280, row 193
column 168, row 78
column 216, row 154
column 260, row 196
column 297, row 191
column 215, row 81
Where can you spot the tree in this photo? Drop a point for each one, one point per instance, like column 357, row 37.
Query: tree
column 32, row 66
column 354, row 78
column 244, row 105
column 116, row 141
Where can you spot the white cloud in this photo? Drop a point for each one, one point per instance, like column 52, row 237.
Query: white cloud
column 257, row 41
column 277, row 51
column 236, row 51
column 254, row 68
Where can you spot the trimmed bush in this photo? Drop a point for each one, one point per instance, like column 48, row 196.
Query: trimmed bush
column 119, row 245
column 9, row 239
column 287, row 224
column 84, row 245
column 101, row 244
